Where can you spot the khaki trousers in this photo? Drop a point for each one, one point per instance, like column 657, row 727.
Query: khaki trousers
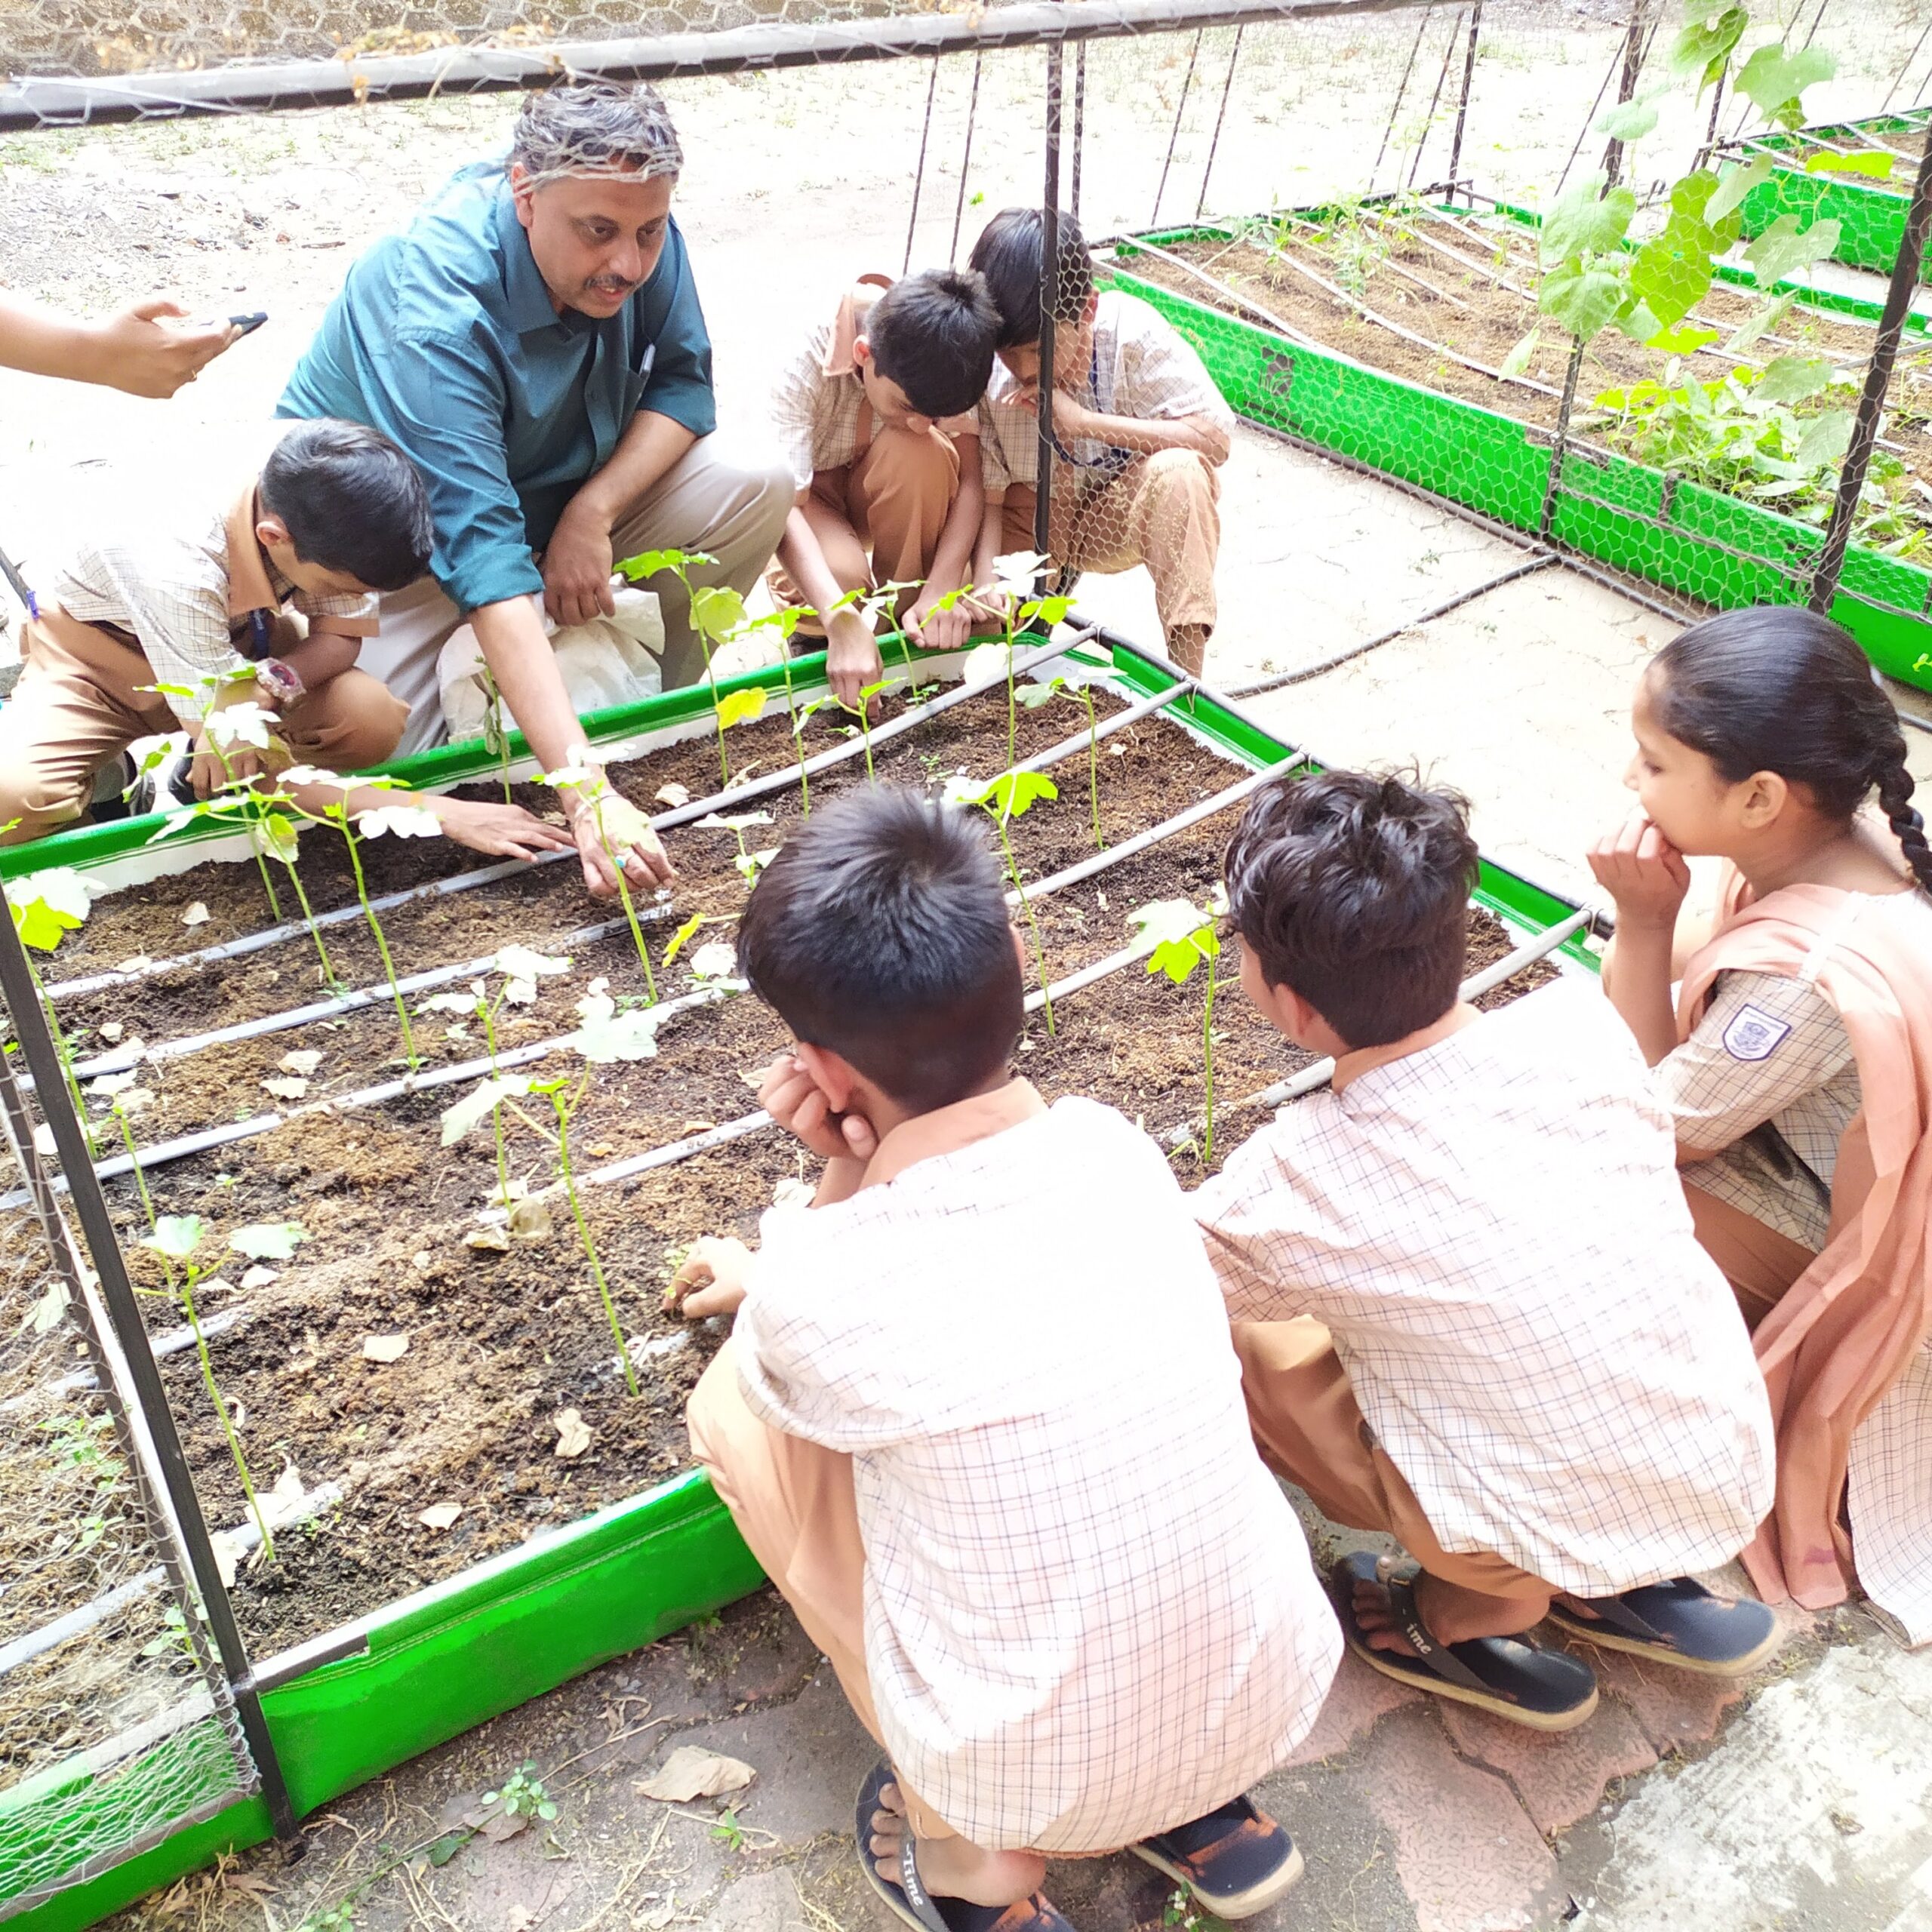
column 1162, row 511
column 793, row 1502
column 1759, row 1263
column 706, row 501
column 878, row 520
column 79, row 702
column 1310, row 1429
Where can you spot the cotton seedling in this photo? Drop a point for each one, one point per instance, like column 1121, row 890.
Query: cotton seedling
column 177, row 1238
column 717, row 616
column 1082, row 692
column 688, row 931
column 520, row 968
column 126, row 1096
column 46, row 907
column 1012, row 794
column 496, row 730
column 590, row 784
column 1181, row 938
column 748, row 863
column 284, row 841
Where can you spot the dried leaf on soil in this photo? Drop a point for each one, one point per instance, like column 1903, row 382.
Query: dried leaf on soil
column 385, row 1348
column 259, row 1277
column 690, row 1772
column 488, row 1241
column 304, row 1061
column 197, row 915
column 673, row 794
column 439, row 1515
column 573, row 1434
column 529, row 1220
column 285, row 1089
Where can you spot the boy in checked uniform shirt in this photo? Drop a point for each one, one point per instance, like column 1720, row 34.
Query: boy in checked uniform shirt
column 1470, row 1306
column 1139, row 431
column 876, row 412
column 979, row 1420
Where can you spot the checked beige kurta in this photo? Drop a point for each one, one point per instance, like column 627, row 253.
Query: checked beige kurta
column 1492, row 1229
column 1089, row 1611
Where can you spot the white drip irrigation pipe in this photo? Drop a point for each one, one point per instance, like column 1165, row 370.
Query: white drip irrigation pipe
column 208, row 1139
column 1473, row 987
column 120, row 1059
column 679, row 815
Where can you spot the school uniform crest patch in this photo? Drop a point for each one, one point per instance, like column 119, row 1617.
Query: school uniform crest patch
column 1753, row 1034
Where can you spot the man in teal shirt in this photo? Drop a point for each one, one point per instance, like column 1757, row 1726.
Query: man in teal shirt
column 534, row 341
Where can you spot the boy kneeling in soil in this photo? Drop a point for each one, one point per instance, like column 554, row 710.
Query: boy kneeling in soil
column 1471, row 1308
column 1138, row 432
column 979, row 1420
column 876, row 414
column 189, row 592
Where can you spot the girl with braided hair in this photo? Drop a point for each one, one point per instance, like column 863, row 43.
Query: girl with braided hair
column 1795, row 1056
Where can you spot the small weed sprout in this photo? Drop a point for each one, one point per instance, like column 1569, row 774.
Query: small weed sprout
column 1181, row 938
column 523, row 1795
column 1012, row 796
column 748, row 863
column 176, row 1238
column 590, row 784
column 46, row 907
column 1020, row 610
column 1082, row 692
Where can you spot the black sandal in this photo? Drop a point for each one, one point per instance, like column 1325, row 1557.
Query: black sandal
column 1509, row 1677
column 1236, row 1861
column 912, row 1905
column 1680, row 1623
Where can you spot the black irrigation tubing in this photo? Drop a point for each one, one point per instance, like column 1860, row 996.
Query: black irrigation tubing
column 1280, row 680
column 504, row 868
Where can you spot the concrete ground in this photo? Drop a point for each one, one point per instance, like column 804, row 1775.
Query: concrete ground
column 1796, row 1804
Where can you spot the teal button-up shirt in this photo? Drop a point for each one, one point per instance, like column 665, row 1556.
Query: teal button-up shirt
column 445, row 338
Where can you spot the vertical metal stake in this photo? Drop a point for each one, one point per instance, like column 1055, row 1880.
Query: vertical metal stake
column 1469, row 81
column 1711, row 130
column 966, row 157
column 1174, row 133
column 1434, row 102
column 1079, row 124
column 919, row 173
column 1633, row 65
column 1554, row 486
column 1402, row 87
column 1917, row 46
column 1878, row 381
column 1049, row 296
column 124, row 1316
column 1221, row 115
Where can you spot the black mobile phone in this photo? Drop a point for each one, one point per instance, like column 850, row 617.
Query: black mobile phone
column 248, row 324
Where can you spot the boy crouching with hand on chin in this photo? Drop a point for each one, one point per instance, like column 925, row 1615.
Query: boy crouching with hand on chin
column 979, row 1420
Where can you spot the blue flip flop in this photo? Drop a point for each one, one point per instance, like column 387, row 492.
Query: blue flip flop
column 1509, row 1677
column 1236, row 1860
column 911, row 1904
column 1680, row 1623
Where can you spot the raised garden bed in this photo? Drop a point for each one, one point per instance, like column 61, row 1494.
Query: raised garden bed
column 1381, row 333
column 1816, row 177
column 383, row 1633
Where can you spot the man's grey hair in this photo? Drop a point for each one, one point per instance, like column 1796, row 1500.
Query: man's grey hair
column 582, row 127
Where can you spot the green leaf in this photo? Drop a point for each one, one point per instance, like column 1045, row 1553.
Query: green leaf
column 1518, row 358
column 1032, row 697
column 1584, row 301
column 479, row 1103
column 1873, row 163
column 688, row 930
column 648, row 563
column 1774, row 80
column 1585, row 221
column 716, row 611
column 1826, row 437
column 1734, row 184
column 1013, row 794
column 177, row 1235
column 605, row 1038
column 1783, row 248
column 1761, row 323
column 1691, row 200
column 1672, row 273
column 442, row 1850
column 1629, row 120
column 48, row 905
column 1794, row 379
column 1708, row 38
column 1685, row 341
column 268, row 1241
column 1179, row 934
column 1050, row 610
column 739, row 707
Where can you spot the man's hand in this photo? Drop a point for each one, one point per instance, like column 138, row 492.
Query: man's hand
column 792, row 1099
column 577, row 569
column 852, row 661
column 136, row 351
column 710, row 1280
column 610, row 826
column 1642, row 872
column 504, row 831
column 949, row 630
column 208, row 773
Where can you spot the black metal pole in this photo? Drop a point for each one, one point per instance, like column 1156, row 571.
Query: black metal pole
column 1711, row 130
column 1079, row 124
column 1049, row 296
column 919, row 171
column 124, row 1316
column 1633, row 65
column 1174, row 133
column 1878, row 381
column 966, row 159
column 1469, row 81
column 1221, row 115
column 1401, row 89
column 1434, row 102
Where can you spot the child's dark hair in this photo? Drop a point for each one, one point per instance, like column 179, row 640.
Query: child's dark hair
column 881, row 932
column 1010, row 254
column 932, row 333
column 351, row 501
column 1353, row 891
column 1784, row 690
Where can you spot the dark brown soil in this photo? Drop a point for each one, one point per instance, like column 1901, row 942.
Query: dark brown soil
column 1479, row 303
column 500, row 1343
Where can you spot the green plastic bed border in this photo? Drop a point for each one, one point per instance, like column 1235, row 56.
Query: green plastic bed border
column 422, row 1670
column 1696, row 542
